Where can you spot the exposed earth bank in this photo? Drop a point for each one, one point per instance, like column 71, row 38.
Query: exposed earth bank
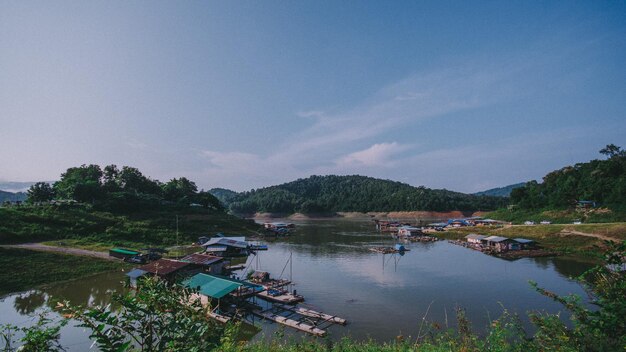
column 410, row 215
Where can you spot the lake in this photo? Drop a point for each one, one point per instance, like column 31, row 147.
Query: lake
column 382, row 296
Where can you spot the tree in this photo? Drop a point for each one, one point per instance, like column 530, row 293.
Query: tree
column 611, row 150
column 40, row 192
column 208, row 200
column 179, row 190
column 81, row 183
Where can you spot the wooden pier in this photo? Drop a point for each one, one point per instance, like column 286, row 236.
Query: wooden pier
column 295, row 324
column 323, row 317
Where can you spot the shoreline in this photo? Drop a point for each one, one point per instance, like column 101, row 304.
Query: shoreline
column 373, row 215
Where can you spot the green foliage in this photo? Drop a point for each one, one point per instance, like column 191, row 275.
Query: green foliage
column 41, row 337
column 324, row 194
column 127, row 190
column 82, row 184
column 601, row 181
column 602, row 329
column 40, row 192
column 157, row 317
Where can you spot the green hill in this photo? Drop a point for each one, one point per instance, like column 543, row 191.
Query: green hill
column 323, row 194
column 223, row 195
column 600, row 184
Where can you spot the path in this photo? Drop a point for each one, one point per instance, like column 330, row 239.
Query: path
column 586, row 234
column 64, row 250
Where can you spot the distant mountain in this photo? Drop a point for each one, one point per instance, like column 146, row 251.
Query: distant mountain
column 224, row 195
column 13, row 197
column 323, row 194
column 500, row 191
column 15, row 187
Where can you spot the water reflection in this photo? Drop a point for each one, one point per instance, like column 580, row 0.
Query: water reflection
column 27, row 303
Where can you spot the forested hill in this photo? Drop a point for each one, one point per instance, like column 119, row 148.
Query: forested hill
column 323, row 194
column 599, row 181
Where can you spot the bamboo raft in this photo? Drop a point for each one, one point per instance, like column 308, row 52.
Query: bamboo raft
column 319, row 315
column 298, row 325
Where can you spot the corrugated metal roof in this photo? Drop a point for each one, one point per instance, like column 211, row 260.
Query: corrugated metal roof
column 212, row 286
column 523, row 240
column 201, row 259
column 216, row 249
column 495, row 239
column 163, row 266
column 226, row 241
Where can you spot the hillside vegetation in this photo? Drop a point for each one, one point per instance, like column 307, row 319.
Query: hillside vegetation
column 117, row 207
column 325, row 194
column 602, row 183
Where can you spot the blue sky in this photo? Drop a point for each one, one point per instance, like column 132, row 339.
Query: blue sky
column 458, row 95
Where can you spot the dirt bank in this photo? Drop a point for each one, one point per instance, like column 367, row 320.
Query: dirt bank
column 408, row 215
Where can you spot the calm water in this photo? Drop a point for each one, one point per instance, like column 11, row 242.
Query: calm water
column 381, row 295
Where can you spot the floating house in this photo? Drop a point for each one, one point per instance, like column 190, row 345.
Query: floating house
column 500, row 244
column 218, row 287
column 227, row 246
column 458, row 223
column 168, row 269
column 279, row 228
column 409, row 231
column 475, row 238
column 526, row 243
column 208, row 263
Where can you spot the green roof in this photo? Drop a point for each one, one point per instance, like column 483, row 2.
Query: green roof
column 212, row 286
column 124, row 251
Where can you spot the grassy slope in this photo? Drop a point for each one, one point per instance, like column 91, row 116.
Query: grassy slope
column 551, row 236
column 24, row 269
column 564, row 216
column 101, row 230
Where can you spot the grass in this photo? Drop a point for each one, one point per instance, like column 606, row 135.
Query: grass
column 560, row 216
column 83, row 227
column 25, row 269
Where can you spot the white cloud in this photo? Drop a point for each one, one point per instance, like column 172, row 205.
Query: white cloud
column 380, row 154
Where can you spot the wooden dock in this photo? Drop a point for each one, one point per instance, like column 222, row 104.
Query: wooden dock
column 322, row 317
column 310, row 329
column 204, row 300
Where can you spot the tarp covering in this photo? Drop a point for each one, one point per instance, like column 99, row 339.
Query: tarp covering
column 212, row 286
column 135, row 273
column 124, row 251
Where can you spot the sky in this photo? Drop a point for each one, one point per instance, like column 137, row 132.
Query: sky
column 460, row 95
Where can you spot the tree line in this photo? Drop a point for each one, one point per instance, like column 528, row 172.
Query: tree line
column 323, row 194
column 599, row 181
column 112, row 188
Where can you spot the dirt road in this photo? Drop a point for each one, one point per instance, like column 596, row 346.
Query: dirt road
column 64, row 250
column 586, row 234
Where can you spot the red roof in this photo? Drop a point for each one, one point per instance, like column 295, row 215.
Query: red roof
column 163, row 266
column 202, row 259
